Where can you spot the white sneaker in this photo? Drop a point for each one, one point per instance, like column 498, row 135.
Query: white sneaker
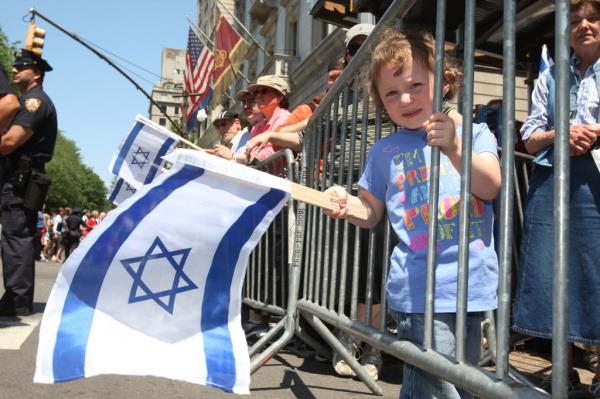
column 372, row 361
column 352, row 344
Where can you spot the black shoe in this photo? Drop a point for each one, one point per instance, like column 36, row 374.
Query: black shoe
column 255, row 326
column 23, row 311
column 574, row 382
column 7, row 312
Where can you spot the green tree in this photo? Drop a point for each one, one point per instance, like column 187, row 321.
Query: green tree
column 73, row 183
column 6, row 52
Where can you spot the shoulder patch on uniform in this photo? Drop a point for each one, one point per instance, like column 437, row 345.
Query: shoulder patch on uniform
column 32, row 104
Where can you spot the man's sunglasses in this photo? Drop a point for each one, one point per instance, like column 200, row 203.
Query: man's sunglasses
column 261, row 91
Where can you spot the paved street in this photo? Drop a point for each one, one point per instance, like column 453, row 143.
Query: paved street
column 285, row 376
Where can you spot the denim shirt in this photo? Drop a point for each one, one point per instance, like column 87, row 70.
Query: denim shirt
column 584, row 104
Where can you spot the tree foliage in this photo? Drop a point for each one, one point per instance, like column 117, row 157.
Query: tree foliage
column 73, row 183
column 6, row 52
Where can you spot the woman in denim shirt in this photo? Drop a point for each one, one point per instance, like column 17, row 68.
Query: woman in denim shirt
column 533, row 307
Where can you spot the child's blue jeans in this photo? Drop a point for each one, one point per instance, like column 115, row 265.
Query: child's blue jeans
column 418, row 384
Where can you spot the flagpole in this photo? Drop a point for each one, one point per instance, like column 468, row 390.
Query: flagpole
column 244, row 28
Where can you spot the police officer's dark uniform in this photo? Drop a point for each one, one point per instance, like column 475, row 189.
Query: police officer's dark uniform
column 23, row 188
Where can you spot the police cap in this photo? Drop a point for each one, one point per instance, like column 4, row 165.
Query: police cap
column 25, row 58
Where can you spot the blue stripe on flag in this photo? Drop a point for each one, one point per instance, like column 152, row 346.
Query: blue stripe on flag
column 218, row 348
column 126, row 147
column 78, row 310
column 116, row 191
column 157, row 161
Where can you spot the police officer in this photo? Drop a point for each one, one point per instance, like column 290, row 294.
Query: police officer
column 24, row 149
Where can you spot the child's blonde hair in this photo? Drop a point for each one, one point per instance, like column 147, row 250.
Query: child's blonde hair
column 399, row 48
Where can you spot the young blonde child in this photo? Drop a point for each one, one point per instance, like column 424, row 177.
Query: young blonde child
column 396, row 180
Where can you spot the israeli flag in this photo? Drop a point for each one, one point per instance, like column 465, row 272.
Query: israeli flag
column 120, row 191
column 138, row 159
column 546, row 60
column 155, row 289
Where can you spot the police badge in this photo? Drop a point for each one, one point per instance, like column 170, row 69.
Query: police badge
column 32, row 104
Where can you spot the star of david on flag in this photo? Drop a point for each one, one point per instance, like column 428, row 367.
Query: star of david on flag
column 143, row 157
column 120, row 191
column 138, row 159
column 155, row 289
column 142, row 289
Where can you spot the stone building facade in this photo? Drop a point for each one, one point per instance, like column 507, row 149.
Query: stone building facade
column 167, row 92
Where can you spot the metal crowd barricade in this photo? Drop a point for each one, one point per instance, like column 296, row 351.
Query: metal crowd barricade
column 338, row 138
column 271, row 284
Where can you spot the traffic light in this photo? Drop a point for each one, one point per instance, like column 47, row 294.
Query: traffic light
column 34, row 41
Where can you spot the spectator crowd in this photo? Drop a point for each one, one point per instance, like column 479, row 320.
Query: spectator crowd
column 59, row 231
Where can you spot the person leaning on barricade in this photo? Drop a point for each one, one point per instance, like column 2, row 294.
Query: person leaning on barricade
column 291, row 133
column 233, row 138
column 25, row 148
column 271, row 96
column 533, row 305
column 402, row 80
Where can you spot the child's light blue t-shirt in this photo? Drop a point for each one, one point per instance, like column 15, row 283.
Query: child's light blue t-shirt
column 397, row 172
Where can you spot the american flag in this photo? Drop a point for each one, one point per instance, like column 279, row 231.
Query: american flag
column 199, row 70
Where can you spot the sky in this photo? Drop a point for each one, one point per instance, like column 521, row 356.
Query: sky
column 96, row 105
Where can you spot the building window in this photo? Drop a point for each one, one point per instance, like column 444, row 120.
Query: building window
column 319, row 31
column 176, row 109
column 292, row 39
column 162, row 122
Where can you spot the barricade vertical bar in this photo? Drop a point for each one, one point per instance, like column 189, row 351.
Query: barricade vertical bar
column 351, row 161
column 321, row 245
column 561, row 202
column 267, row 262
column 259, row 267
column 313, row 176
column 506, row 213
column 280, row 274
column 328, row 174
column 465, row 183
column 254, row 273
column 384, row 272
column 517, row 191
column 434, row 181
column 386, row 243
column 346, row 227
column 343, row 270
column 336, row 223
column 369, row 282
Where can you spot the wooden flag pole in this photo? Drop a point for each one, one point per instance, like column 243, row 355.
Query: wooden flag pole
column 324, row 200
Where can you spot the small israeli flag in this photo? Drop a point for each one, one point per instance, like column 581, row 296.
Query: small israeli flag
column 139, row 158
column 546, row 60
column 120, row 191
